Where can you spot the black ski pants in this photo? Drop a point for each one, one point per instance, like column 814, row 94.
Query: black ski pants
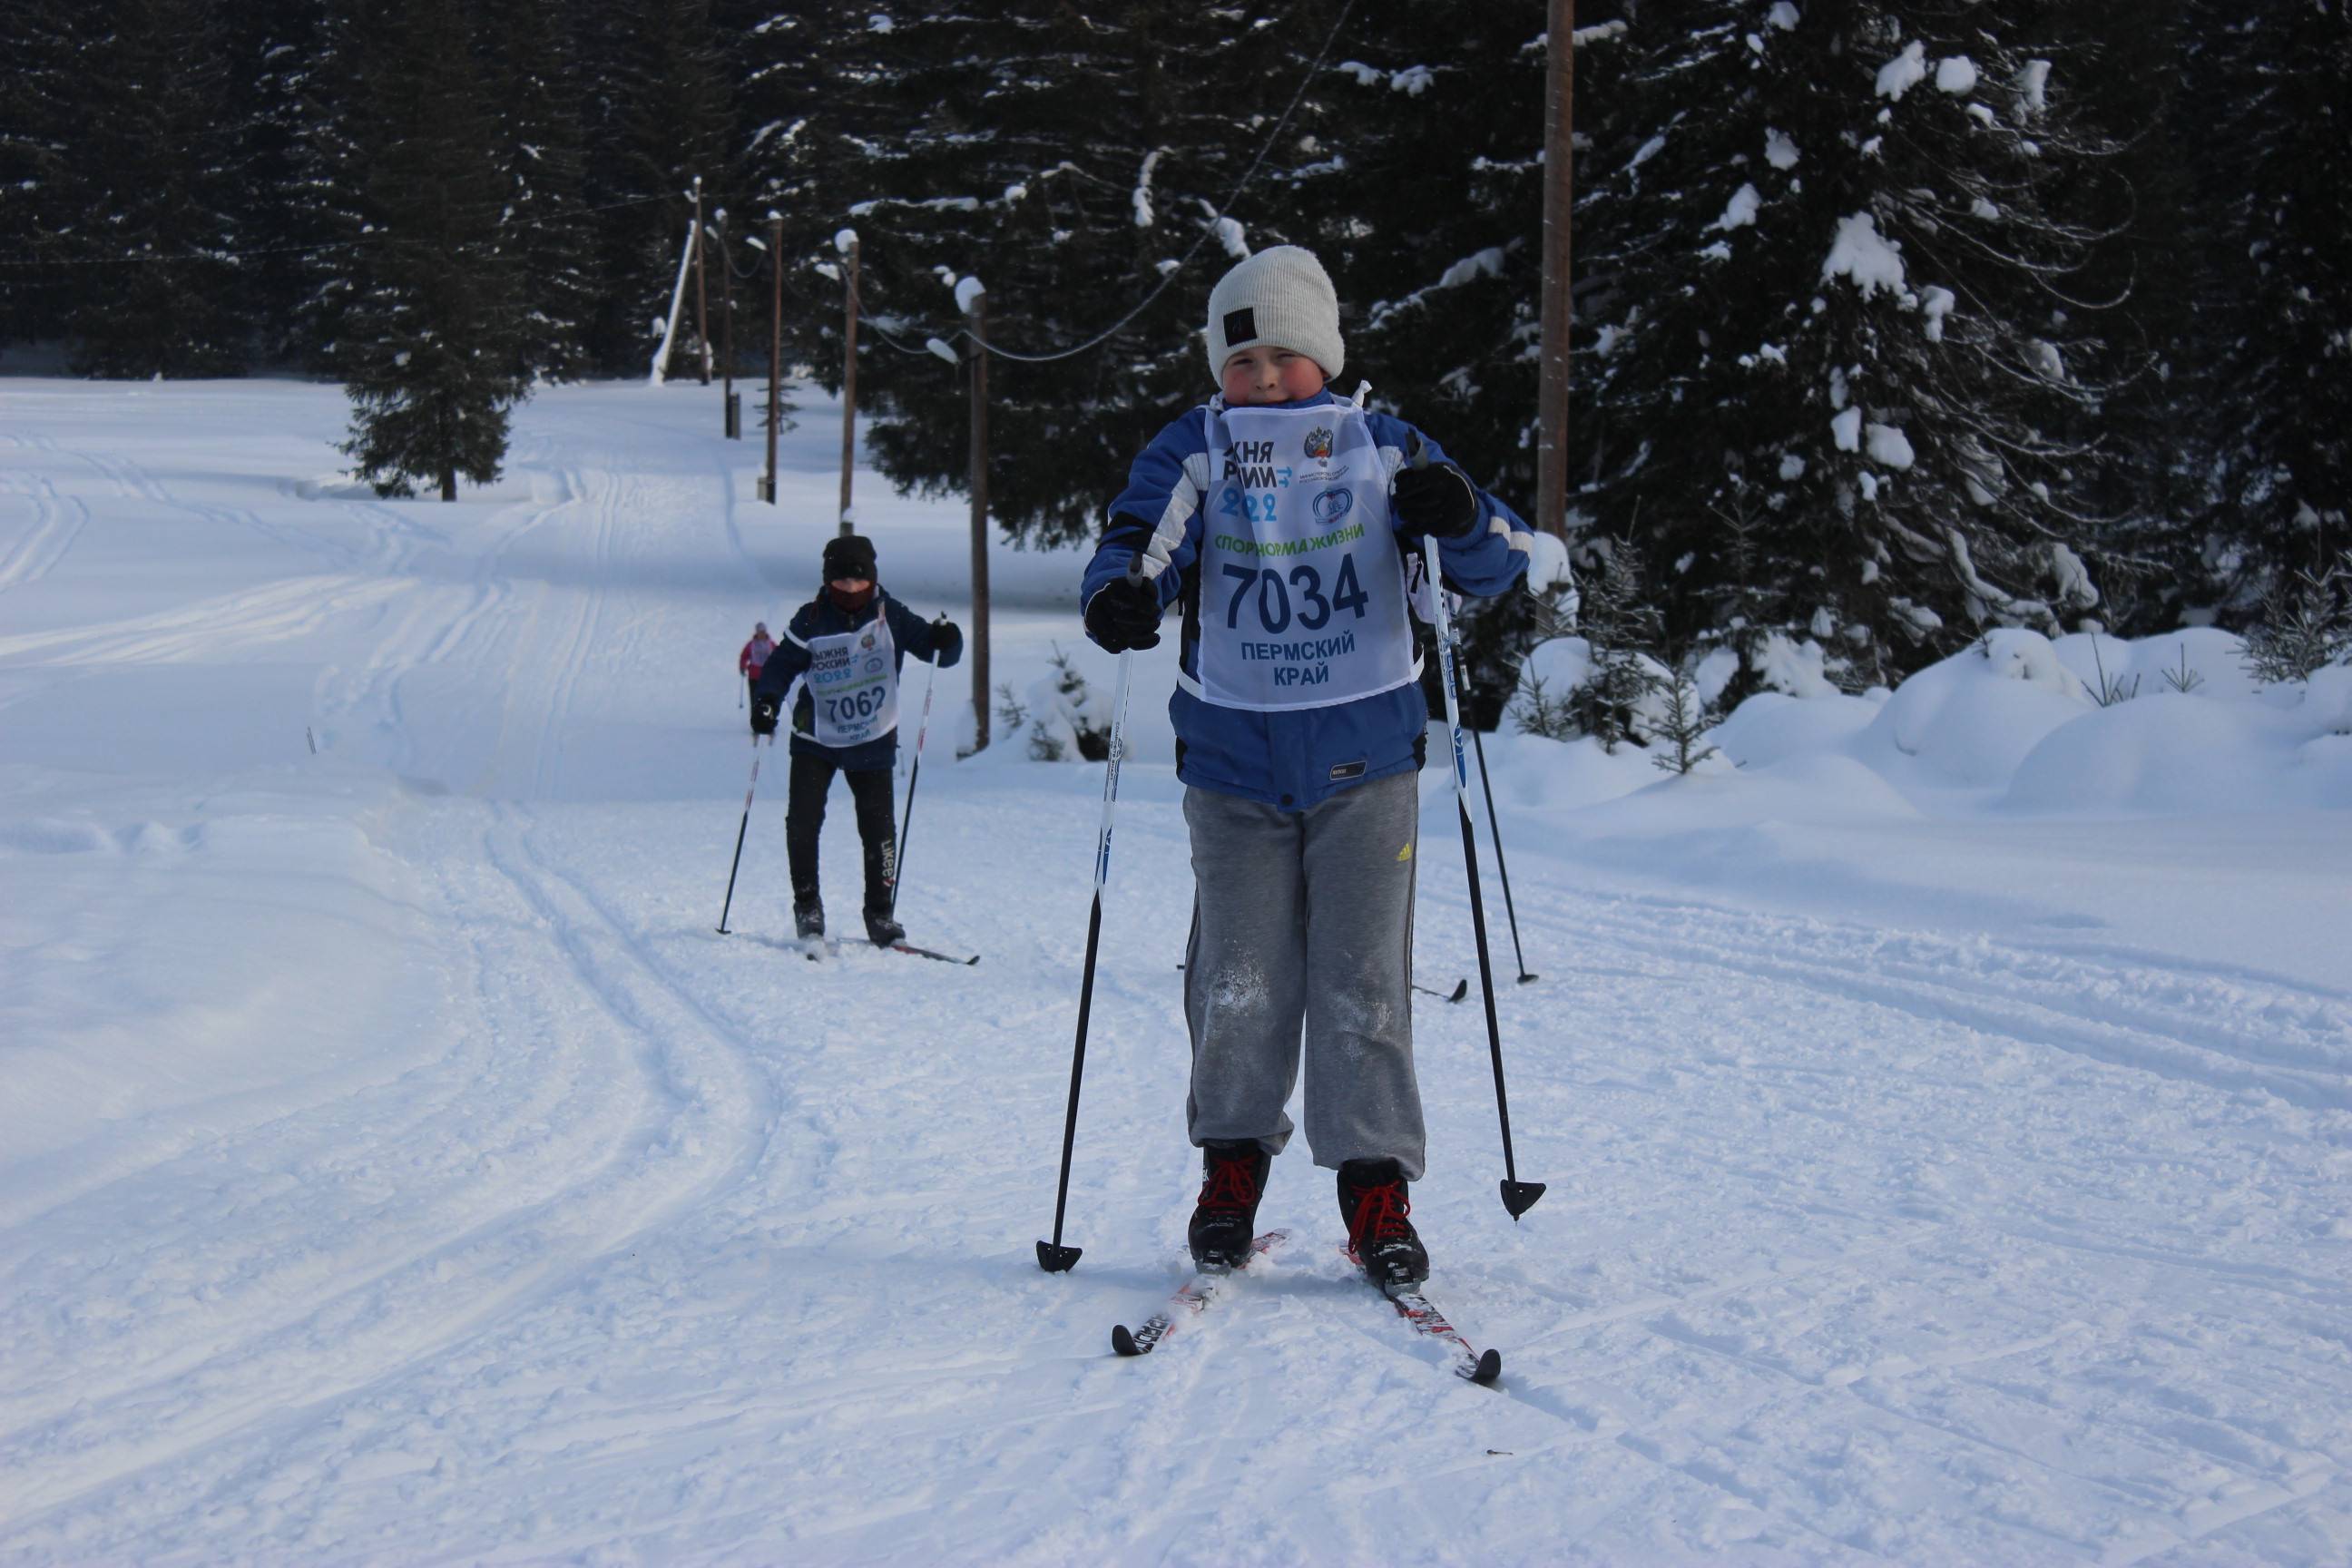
column 871, row 792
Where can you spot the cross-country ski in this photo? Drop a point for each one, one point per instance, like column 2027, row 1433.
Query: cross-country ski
column 1191, row 1298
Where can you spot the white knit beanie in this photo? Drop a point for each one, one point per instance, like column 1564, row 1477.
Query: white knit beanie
column 1280, row 296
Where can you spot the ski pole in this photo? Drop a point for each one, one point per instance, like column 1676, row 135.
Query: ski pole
column 1494, row 831
column 1460, row 989
column 1518, row 1197
column 739, row 829
column 1052, row 1256
column 914, row 776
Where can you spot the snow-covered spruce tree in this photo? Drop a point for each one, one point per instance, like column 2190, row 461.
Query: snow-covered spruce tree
column 1831, row 356
column 669, row 116
column 274, row 49
column 42, row 47
column 1425, row 184
column 543, row 145
column 427, row 345
column 324, row 94
column 2306, row 624
column 136, row 165
column 2269, row 106
column 1068, row 157
column 1622, row 625
column 2116, row 65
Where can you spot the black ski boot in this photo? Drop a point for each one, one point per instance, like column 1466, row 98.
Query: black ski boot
column 885, row 930
column 1227, row 1212
column 1380, row 1239
column 808, row 918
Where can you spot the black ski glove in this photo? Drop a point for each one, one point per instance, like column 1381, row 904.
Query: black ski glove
column 1438, row 502
column 1124, row 613
column 764, row 715
column 947, row 644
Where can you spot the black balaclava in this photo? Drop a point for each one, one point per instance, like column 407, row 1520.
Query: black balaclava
column 849, row 555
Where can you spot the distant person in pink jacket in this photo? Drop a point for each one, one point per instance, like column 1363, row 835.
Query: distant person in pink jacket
column 755, row 653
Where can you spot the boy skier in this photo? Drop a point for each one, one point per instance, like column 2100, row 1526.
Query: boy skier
column 1285, row 524
column 841, row 650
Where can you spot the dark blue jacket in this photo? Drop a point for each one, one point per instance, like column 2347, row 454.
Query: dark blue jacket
column 1292, row 759
column 822, row 617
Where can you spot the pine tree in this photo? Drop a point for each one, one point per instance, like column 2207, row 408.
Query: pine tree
column 428, row 343
column 43, row 48
column 1832, row 357
column 1422, row 187
column 672, row 118
column 124, row 158
column 2119, row 63
column 273, row 46
column 321, row 91
column 1073, row 160
column 2270, row 103
column 1623, row 627
column 159, row 167
column 542, row 143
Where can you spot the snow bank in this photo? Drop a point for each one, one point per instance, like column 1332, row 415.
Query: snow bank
column 2017, row 724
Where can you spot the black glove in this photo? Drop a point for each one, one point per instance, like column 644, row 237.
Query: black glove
column 763, row 714
column 1124, row 613
column 1439, row 501
column 947, row 644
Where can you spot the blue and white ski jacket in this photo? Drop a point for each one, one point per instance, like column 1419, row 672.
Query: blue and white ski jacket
column 910, row 633
column 1292, row 759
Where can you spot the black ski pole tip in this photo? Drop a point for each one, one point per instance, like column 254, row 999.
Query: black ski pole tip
column 1525, row 979
column 1460, row 989
column 1517, row 1197
column 1055, row 1259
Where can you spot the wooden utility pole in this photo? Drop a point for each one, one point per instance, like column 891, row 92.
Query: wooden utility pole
column 702, row 289
column 1551, row 396
column 845, row 242
column 732, row 420
column 975, row 303
column 775, row 343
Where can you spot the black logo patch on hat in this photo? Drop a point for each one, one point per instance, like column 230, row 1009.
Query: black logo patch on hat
column 1241, row 326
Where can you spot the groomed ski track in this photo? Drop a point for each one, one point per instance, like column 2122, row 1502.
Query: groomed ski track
column 496, row 1209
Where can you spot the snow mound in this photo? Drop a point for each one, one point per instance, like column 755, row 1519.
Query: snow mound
column 1772, row 726
column 2172, row 753
column 2088, row 724
column 2016, row 724
column 1969, row 721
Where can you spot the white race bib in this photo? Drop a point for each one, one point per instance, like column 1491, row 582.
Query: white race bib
column 1302, row 594
column 853, row 680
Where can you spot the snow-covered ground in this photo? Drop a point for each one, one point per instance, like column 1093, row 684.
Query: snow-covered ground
column 1949, row 1127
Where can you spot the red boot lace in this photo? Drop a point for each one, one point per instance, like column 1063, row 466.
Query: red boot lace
column 1232, row 1183
column 1380, row 1212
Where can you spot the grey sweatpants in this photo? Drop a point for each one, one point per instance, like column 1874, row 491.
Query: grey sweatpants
column 1305, row 918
